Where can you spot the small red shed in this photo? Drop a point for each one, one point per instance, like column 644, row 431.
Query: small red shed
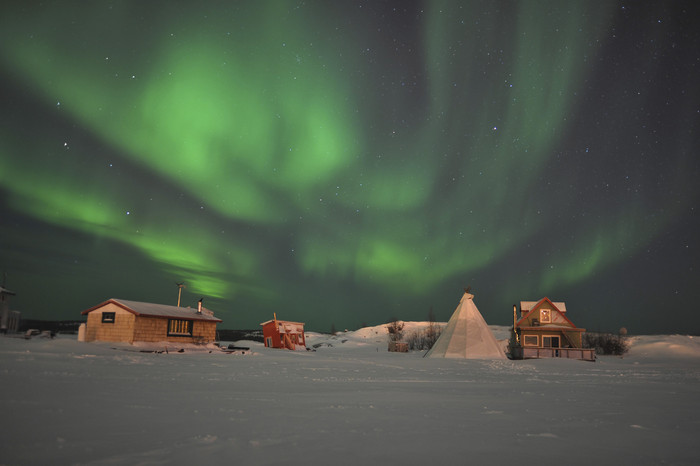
column 284, row 334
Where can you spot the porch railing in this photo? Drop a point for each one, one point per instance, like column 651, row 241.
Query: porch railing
column 586, row 354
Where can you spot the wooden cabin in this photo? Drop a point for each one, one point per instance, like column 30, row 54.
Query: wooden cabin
column 132, row 321
column 543, row 330
column 284, row 334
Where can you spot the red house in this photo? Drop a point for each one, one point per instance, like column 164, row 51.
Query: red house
column 284, row 334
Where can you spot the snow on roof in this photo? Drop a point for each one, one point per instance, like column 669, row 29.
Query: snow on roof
column 527, row 305
column 288, row 322
column 5, row 291
column 159, row 310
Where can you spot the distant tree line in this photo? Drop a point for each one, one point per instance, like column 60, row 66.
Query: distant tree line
column 236, row 335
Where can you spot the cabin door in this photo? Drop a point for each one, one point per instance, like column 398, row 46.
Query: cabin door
column 551, row 342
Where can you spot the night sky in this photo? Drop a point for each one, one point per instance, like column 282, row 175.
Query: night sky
column 345, row 163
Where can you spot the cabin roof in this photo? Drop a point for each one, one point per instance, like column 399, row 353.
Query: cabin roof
column 528, row 305
column 282, row 322
column 555, row 307
column 546, row 327
column 158, row 310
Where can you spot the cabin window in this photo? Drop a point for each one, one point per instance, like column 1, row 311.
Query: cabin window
column 108, row 317
column 531, row 340
column 268, row 342
column 545, row 316
column 550, row 342
column 179, row 327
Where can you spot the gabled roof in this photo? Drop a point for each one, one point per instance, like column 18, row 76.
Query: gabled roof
column 541, row 301
column 158, row 310
column 281, row 322
column 528, row 305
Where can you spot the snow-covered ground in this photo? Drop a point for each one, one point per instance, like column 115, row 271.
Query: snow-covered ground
column 348, row 402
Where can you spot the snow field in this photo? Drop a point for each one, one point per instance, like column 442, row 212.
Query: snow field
column 67, row 402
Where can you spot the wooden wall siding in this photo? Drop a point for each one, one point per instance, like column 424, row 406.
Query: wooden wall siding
column 575, row 338
column 121, row 330
column 204, row 332
column 270, row 330
column 558, row 319
column 152, row 329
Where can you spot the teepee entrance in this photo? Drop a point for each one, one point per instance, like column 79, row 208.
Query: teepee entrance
column 466, row 335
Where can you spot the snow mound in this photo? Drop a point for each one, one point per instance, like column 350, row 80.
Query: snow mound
column 664, row 346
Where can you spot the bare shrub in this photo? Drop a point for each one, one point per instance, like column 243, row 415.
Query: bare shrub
column 395, row 329
column 606, row 343
column 415, row 341
column 432, row 333
column 423, row 339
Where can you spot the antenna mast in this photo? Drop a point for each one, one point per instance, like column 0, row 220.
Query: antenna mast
column 180, row 286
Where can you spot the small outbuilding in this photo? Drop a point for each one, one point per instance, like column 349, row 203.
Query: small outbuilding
column 543, row 330
column 132, row 321
column 9, row 320
column 284, row 334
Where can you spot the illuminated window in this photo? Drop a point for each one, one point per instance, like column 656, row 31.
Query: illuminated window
column 530, row 340
column 545, row 316
column 108, row 317
column 179, row 327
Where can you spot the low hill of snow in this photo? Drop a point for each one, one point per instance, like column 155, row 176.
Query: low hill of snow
column 660, row 347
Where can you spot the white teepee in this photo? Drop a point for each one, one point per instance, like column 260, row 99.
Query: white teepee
column 466, row 335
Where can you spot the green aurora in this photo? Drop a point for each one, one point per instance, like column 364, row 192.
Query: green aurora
column 335, row 164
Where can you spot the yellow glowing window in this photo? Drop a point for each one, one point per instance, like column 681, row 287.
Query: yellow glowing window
column 179, row 327
column 545, row 316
